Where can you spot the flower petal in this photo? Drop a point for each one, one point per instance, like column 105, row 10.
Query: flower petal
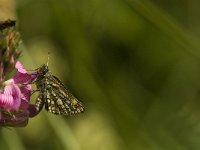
column 20, row 67
column 22, row 78
column 24, row 105
column 32, row 110
column 14, row 91
column 6, row 101
column 34, row 75
column 26, row 92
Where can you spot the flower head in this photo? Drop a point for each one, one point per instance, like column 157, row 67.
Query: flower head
column 15, row 93
column 15, row 97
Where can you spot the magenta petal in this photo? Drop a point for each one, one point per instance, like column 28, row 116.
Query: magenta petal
column 8, row 90
column 14, row 91
column 24, row 105
column 34, row 75
column 32, row 110
column 26, row 92
column 22, row 78
column 6, row 101
column 20, row 67
column 16, row 103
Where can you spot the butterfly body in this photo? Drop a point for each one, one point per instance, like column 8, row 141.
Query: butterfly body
column 54, row 95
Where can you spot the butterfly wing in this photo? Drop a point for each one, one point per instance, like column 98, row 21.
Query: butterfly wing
column 39, row 102
column 58, row 99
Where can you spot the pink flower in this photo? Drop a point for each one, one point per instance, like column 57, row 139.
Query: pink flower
column 10, row 99
column 15, row 98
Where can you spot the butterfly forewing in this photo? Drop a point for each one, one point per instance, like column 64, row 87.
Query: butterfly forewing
column 55, row 96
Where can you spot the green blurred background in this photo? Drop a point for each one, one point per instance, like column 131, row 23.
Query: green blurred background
column 133, row 63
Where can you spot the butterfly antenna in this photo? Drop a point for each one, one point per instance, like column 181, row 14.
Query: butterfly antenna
column 48, row 58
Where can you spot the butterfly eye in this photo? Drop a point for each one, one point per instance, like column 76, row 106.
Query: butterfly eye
column 43, row 70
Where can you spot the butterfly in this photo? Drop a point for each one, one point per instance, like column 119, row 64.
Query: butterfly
column 56, row 98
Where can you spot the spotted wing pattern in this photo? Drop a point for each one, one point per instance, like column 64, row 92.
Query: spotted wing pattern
column 56, row 97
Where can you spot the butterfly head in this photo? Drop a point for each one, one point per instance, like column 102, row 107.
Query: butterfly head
column 42, row 70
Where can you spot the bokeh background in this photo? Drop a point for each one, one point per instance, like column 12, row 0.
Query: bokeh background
column 135, row 64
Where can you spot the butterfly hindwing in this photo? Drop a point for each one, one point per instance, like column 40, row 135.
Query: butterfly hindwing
column 59, row 99
column 39, row 102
